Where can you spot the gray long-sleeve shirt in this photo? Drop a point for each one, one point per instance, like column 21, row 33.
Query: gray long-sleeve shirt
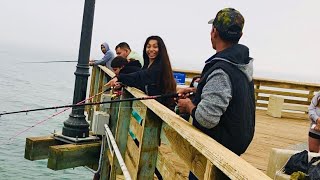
column 216, row 95
column 215, row 99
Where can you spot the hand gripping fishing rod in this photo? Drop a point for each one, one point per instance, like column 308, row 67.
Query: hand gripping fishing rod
column 163, row 96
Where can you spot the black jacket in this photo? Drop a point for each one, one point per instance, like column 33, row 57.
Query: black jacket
column 147, row 79
column 235, row 129
column 132, row 66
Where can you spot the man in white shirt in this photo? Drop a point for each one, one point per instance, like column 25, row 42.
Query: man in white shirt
column 123, row 49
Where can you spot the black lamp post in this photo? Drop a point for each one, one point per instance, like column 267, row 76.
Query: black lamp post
column 76, row 125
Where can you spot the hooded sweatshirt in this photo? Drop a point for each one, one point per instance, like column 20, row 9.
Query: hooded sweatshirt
column 225, row 105
column 107, row 58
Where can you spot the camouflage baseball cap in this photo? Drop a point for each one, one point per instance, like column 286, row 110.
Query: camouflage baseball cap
column 229, row 23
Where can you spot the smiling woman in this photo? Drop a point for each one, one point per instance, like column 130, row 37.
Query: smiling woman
column 156, row 76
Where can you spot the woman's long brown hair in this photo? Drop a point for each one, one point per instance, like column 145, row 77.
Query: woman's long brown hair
column 166, row 79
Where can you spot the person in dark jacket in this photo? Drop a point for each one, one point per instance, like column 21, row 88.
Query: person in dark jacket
column 156, row 76
column 121, row 65
column 224, row 103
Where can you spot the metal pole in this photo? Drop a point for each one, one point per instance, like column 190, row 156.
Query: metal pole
column 76, row 125
column 115, row 147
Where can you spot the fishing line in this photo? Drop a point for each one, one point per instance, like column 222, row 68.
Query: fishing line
column 60, row 112
column 42, row 62
column 164, row 96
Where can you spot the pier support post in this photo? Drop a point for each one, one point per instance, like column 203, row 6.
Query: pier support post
column 76, row 125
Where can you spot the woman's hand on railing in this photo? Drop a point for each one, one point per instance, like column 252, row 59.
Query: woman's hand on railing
column 112, row 82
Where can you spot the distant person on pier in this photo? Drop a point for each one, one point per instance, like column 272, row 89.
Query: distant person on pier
column 224, row 102
column 314, row 132
column 121, row 65
column 123, row 49
column 106, row 59
column 156, row 76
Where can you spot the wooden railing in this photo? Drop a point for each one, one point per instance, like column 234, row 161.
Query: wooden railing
column 147, row 133
column 296, row 95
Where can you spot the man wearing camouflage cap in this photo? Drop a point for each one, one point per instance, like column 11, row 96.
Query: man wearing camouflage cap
column 224, row 103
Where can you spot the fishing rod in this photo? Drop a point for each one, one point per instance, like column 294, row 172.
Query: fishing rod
column 56, row 114
column 163, row 96
column 41, row 62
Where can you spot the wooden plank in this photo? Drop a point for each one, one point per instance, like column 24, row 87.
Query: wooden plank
column 231, row 165
column 136, row 129
column 133, row 151
column 261, row 105
column 170, row 165
column 295, row 115
column 70, row 155
column 96, row 87
column 295, row 107
column 286, row 84
column 131, row 157
column 194, row 160
column 122, row 129
column 107, row 71
column 149, row 146
column 120, row 177
column 136, row 116
column 275, row 106
column 114, row 114
column 289, row 101
column 210, row 171
column 91, row 93
column 311, row 93
column 100, row 87
column 257, row 86
column 140, row 109
column 283, row 93
column 38, row 147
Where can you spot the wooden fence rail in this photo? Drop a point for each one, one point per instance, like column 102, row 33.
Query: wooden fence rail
column 296, row 95
column 137, row 127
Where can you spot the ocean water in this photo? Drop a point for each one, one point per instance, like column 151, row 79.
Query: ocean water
column 27, row 86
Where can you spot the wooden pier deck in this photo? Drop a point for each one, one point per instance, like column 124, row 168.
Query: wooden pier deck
column 274, row 133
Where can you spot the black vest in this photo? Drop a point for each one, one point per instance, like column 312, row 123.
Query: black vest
column 236, row 126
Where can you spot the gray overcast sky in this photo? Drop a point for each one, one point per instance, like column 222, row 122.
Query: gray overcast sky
column 283, row 35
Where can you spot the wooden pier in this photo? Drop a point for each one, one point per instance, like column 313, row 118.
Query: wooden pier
column 151, row 136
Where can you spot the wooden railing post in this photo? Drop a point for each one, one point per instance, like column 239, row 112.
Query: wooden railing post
column 89, row 109
column 121, row 132
column 143, row 142
column 149, row 146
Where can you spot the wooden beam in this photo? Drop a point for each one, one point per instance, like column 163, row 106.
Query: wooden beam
column 38, row 147
column 193, row 159
column 210, row 172
column 170, row 165
column 283, row 93
column 121, row 132
column 71, row 155
column 149, row 146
